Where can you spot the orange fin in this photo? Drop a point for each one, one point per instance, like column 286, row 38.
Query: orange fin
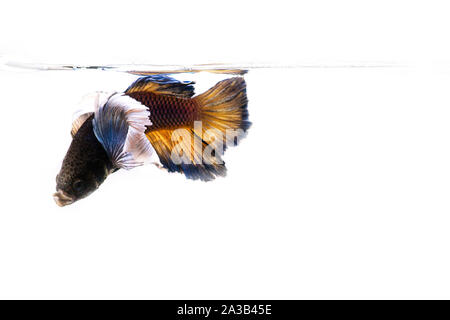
column 190, row 160
column 223, row 112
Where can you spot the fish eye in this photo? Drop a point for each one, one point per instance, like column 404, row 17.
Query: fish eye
column 78, row 185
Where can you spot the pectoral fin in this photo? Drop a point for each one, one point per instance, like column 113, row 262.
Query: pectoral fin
column 120, row 126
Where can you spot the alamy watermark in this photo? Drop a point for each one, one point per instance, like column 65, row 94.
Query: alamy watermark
column 204, row 146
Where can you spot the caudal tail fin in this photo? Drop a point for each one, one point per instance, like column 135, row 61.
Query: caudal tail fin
column 223, row 112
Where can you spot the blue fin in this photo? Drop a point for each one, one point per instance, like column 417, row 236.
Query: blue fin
column 119, row 126
column 204, row 172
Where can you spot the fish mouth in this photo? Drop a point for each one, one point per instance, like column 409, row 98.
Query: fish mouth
column 62, row 199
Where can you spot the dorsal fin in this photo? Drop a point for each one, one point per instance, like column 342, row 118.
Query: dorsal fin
column 161, row 84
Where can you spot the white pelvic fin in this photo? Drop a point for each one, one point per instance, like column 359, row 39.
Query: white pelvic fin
column 120, row 126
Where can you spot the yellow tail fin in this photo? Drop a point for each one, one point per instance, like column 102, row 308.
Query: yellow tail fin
column 223, row 112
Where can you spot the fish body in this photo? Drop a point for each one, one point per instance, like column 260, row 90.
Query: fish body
column 155, row 120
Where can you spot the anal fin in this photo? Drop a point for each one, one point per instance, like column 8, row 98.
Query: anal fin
column 197, row 165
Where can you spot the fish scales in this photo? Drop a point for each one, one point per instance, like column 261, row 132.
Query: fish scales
column 168, row 111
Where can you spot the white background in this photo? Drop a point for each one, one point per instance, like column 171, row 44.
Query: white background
column 340, row 190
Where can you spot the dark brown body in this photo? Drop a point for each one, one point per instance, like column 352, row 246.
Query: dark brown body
column 85, row 166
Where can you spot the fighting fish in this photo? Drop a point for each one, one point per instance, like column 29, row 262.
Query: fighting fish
column 157, row 120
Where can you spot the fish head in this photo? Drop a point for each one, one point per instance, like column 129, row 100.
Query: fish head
column 103, row 141
column 84, row 168
column 75, row 182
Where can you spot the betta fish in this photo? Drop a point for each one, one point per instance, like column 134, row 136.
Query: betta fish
column 156, row 120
